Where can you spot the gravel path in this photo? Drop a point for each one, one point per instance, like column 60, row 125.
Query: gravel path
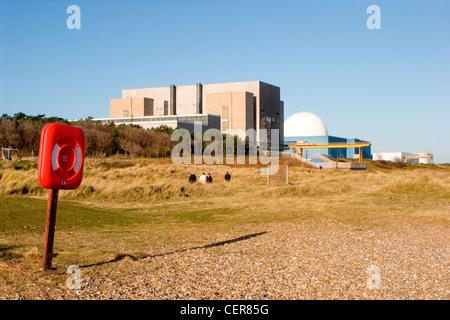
column 286, row 261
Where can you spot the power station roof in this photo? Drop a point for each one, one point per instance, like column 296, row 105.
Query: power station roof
column 304, row 124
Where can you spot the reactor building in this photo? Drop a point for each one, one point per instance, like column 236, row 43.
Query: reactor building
column 306, row 134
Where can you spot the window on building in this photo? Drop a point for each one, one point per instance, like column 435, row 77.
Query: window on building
column 125, row 114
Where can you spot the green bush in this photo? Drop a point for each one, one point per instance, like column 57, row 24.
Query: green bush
column 25, row 165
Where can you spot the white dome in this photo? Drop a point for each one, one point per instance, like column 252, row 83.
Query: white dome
column 304, row 124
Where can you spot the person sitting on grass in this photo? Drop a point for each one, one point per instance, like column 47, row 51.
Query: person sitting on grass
column 202, row 178
column 192, row 178
column 209, row 178
column 227, row 176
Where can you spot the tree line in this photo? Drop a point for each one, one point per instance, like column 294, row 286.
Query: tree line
column 22, row 132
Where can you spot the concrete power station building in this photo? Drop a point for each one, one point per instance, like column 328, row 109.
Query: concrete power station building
column 225, row 106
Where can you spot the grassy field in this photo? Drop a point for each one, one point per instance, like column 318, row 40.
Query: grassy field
column 129, row 214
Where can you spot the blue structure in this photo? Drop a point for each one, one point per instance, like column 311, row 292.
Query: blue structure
column 308, row 129
column 335, row 153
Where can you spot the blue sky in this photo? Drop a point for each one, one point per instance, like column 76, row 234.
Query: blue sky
column 389, row 86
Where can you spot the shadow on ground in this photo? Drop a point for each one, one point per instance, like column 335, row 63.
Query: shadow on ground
column 135, row 258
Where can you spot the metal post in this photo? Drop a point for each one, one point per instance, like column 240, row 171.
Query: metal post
column 199, row 104
column 50, row 229
column 287, row 174
column 173, row 100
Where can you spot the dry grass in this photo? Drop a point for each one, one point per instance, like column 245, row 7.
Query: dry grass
column 138, row 183
column 156, row 180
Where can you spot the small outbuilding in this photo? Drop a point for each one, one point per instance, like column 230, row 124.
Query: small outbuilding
column 9, row 154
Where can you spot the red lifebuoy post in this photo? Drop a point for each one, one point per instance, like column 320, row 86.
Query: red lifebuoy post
column 60, row 166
